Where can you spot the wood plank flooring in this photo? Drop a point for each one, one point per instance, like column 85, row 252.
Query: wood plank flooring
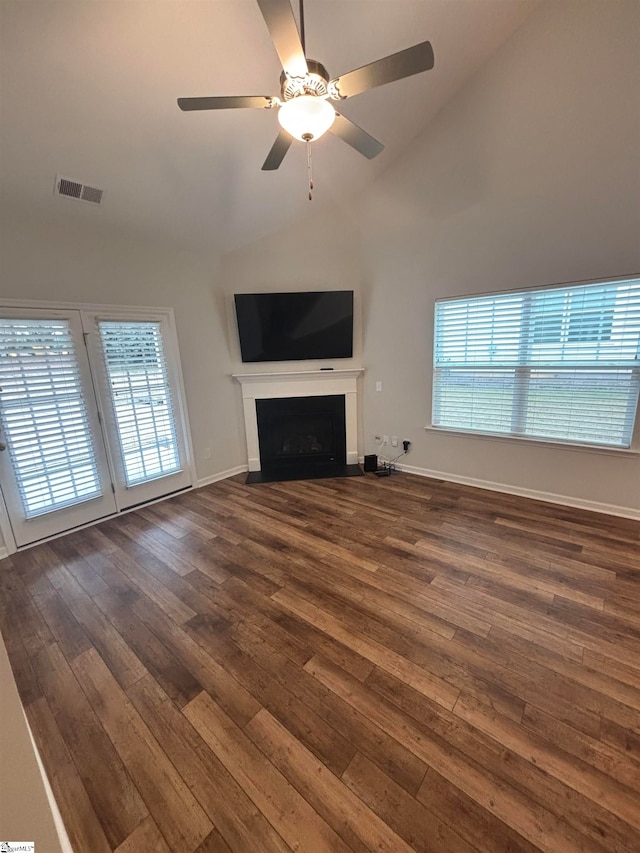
column 336, row 665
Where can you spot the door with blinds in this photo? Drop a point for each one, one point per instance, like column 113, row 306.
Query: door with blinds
column 136, row 373
column 53, row 465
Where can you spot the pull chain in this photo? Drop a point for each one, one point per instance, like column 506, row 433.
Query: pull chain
column 307, row 137
column 309, row 167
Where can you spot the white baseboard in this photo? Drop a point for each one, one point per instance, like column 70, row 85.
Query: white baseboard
column 548, row 497
column 65, row 844
column 3, row 553
column 223, row 475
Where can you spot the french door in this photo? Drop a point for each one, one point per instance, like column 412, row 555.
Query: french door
column 91, row 416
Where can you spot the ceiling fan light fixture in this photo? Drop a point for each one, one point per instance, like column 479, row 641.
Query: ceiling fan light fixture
column 306, row 117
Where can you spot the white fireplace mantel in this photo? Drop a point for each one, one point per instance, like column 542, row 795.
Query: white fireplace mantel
column 299, row 383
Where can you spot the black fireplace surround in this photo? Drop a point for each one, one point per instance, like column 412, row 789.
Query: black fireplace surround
column 302, row 438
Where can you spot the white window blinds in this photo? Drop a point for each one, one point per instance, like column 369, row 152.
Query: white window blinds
column 139, row 390
column 556, row 363
column 44, row 416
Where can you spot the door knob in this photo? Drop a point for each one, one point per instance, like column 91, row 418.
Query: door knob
column 2, row 446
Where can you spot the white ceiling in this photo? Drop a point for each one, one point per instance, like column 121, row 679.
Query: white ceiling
column 89, row 89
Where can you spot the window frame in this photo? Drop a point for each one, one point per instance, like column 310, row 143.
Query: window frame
column 522, row 371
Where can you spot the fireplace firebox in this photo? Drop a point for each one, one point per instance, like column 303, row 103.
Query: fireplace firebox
column 301, row 436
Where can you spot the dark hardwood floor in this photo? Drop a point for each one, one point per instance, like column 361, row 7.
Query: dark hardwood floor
column 342, row 665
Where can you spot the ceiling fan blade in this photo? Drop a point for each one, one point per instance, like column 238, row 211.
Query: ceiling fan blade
column 281, row 23
column 407, row 62
column 231, row 102
column 356, row 137
column 278, row 150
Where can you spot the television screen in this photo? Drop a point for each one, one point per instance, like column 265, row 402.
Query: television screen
column 295, row 326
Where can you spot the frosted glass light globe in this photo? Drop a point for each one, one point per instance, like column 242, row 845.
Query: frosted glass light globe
column 306, row 116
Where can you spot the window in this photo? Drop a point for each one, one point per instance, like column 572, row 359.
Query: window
column 557, row 363
column 141, row 398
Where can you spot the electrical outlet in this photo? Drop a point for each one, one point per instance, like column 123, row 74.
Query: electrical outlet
column 377, row 439
column 207, row 453
column 385, row 439
column 378, row 386
column 394, row 441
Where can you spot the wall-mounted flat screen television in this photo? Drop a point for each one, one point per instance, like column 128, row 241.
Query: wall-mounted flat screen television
column 295, row 326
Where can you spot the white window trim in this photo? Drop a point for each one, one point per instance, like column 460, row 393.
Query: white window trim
column 557, row 285
column 541, row 442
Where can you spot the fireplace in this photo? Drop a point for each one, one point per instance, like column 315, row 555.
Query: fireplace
column 316, row 443
column 297, row 435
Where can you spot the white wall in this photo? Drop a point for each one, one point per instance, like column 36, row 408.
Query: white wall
column 75, row 260
column 530, row 176
column 322, row 252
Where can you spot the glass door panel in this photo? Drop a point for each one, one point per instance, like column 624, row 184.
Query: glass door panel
column 139, row 392
column 54, row 467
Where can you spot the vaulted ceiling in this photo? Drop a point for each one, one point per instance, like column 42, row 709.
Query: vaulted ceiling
column 89, row 89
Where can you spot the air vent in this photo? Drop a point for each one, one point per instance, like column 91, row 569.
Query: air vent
column 75, row 189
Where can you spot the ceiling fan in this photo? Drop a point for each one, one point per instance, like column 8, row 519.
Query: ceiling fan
column 304, row 108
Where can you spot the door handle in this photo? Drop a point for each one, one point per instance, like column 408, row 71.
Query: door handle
column 2, row 446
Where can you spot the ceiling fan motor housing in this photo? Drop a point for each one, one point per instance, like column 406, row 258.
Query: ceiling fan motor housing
column 315, row 82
